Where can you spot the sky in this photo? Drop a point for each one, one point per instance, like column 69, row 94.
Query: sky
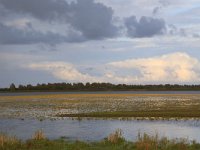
column 116, row 41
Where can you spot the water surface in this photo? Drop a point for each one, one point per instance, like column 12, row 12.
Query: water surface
column 100, row 92
column 93, row 130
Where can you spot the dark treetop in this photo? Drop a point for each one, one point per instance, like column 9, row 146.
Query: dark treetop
column 98, row 87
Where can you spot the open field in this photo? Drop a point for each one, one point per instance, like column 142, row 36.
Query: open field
column 101, row 105
column 113, row 141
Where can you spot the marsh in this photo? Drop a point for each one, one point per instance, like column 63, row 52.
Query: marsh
column 23, row 114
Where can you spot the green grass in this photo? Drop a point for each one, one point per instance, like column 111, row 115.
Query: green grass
column 149, row 114
column 114, row 141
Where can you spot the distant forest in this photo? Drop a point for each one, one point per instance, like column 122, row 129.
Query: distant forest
column 97, row 87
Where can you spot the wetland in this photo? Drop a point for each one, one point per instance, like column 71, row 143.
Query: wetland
column 92, row 116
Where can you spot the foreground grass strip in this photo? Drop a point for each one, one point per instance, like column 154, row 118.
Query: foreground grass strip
column 114, row 141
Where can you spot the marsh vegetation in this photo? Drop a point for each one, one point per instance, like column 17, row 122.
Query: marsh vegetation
column 101, row 105
column 114, row 141
column 48, row 107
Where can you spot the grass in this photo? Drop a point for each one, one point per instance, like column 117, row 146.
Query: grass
column 114, row 141
column 148, row 114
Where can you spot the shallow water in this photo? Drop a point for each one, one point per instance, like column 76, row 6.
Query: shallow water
column 93, row 130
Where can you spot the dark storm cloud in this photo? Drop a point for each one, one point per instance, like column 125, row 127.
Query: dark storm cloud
column 11, row 35
column 88, row 20
column 93, row 20
column 144, row 27
column 42, row 9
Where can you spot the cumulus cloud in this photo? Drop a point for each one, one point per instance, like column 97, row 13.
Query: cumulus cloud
column 62, row 70
column 170, row 68
column 144, row 27
column 68, row 72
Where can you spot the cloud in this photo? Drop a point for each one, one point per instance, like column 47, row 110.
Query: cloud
column 165, row 2
column 45, row 9
column 156, row 10
column 12, row 35
column 93, row 20
column 68, row 72
column 86, row 20
column 144, row 27
column 62, row 70
column 169, row 68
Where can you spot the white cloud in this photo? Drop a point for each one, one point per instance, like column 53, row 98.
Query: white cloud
column 69, row 73
column 170, row 68
column 62, row 70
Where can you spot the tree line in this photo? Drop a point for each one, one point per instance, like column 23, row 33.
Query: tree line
column 97, row 87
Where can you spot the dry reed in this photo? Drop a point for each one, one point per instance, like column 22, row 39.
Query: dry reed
column 115, row 137
column 4, row 139
column 39, row 135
